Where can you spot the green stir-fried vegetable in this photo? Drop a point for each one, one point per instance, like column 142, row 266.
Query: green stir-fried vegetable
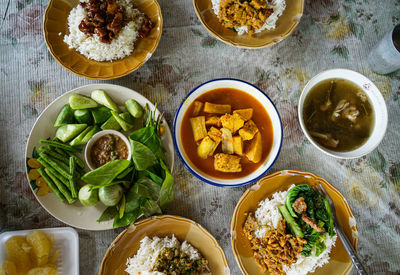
column 311, row 219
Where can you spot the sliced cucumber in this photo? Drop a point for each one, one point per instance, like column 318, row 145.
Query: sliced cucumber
column 127, row 117
column 83, row 116
column 67, row 132
column 111, row 124
column 66, row 116
column 91, row 133
column 101, row 97
column 101, row 114
column 77, row 101
column 124, row 124
column 78, row 139
column 134, row 108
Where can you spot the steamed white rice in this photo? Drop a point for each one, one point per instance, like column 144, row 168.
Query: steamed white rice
column 149, row 250
column 91, row 47
column 268, row 215
column 277, row 5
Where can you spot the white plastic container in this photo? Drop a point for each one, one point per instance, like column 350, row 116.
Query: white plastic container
column 66, row 240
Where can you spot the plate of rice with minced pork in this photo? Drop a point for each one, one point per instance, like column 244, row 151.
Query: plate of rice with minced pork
column 106, row 30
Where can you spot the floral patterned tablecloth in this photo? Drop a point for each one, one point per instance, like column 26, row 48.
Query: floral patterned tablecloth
column 331, row 34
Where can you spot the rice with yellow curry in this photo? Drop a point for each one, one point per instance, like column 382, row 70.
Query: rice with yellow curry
column 248, row 16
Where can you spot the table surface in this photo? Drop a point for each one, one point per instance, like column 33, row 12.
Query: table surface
column 331, row 34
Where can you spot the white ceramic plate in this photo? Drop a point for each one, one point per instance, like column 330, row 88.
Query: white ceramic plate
column 66, row 240
column 76, row 214
column 376, row 99
column 257, row 94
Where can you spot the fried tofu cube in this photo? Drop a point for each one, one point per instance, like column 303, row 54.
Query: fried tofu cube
column 198, row 105
column 199, row 127
column 205, row 147
column 248, row 131
column 217, row 108
column 238, row 145
column 215, row 135
column 227, row 163
column 232, row 122
column 246, row 114
column 213, row 121
column 254, row 151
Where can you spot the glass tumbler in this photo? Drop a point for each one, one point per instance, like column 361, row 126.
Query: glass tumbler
column 384, row 58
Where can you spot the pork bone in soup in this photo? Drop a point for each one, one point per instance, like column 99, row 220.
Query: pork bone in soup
column 338, row 115
column 226, row 133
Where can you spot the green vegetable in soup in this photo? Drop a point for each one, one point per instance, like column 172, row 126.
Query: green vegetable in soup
column 83, row 116
column 78, row 139
column 101, row 114
column 77, row 101
column 111, row 124
column 110, row 195
column 292, row 224
column 67, row 132
column 292, row 196
column 101, row 97
column 107, row 173
column 88, row 196
column 66, row 116
column 134, row 108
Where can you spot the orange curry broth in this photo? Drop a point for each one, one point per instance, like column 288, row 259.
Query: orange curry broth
column 238, row 100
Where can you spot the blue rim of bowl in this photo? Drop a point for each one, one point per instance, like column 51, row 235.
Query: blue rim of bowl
column 188, row 166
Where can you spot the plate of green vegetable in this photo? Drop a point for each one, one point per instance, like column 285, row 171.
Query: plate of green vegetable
column 118, row 191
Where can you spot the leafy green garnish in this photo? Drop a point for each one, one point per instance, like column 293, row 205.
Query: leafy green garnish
column 107, row 173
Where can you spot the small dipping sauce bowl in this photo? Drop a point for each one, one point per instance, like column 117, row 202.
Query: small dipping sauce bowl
column 96, row 137
column 378, row 105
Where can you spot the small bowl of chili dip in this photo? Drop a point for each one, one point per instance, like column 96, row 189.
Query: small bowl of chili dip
column 227, row 132
column 106, row 146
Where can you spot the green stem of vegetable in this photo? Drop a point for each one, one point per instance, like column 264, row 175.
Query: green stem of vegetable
column 294, row 227
column 331, row 221
column 60, row 167
column 51, row 184
column 72, row 182
column 78, row 161
column 60, row 186
column 61, row 152
column 54, row 154
column 60, row 145
column 54, row 172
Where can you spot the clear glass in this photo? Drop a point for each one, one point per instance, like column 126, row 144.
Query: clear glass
column 384, row 58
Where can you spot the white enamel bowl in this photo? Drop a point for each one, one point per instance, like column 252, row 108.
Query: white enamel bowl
column 376, row 99
column 256, row 93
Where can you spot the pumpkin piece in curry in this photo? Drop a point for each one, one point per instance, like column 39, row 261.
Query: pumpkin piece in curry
column 239, row 13
column 276, row 249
